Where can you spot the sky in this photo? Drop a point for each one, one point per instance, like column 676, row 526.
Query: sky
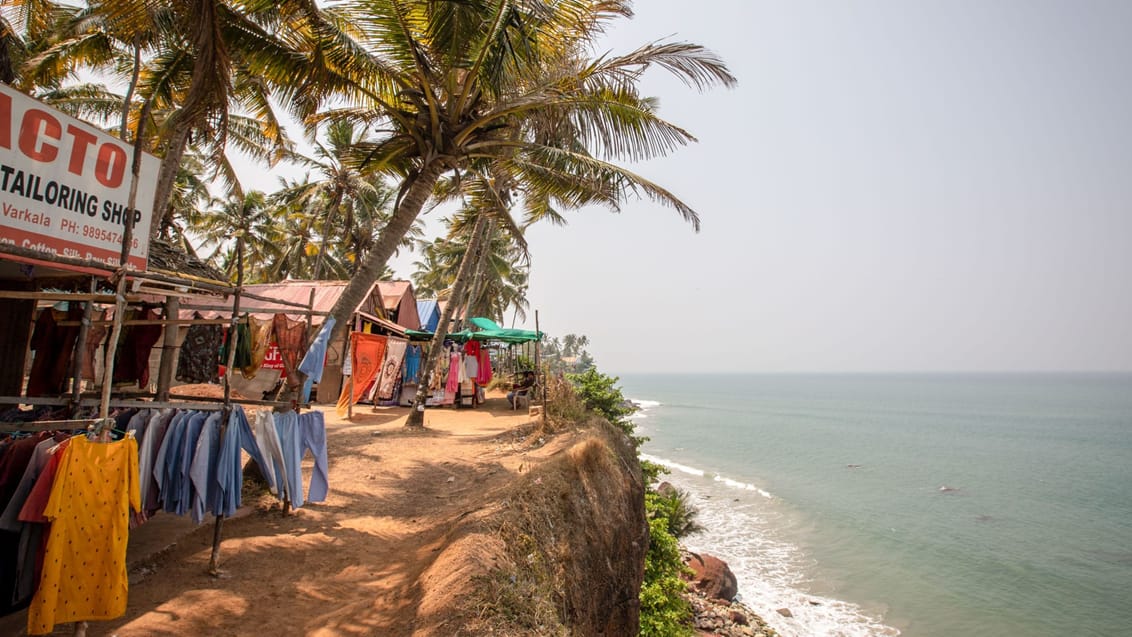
column 893, row 186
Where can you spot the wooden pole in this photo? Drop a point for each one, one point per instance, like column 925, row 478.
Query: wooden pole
column 80, row 348
column 123, row 264
column 233, row 342
column 168, row 349
column 353, row 372
column 538, row 368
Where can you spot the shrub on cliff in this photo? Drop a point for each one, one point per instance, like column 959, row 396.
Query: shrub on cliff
column 600, row 394
column 664, row 612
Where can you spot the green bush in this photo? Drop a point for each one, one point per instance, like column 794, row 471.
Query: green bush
column 601, row 394
column 664, row 612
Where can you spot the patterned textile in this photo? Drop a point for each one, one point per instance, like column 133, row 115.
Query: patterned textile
column 260, row 333
column 368, row 350
column 291, row 337
column 394, row 354
column 198, row 362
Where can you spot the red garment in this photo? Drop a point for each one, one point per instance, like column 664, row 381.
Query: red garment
column 484, row 373
column 291, row 337
column 14, row 461
column 54, row 346
column 472, row 348
column 36, row 503
column 368, row 352
column 132, row 360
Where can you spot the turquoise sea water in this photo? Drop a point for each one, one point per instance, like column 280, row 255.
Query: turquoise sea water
column 929, row 505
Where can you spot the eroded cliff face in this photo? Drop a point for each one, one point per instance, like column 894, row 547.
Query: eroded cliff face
column 561, row 552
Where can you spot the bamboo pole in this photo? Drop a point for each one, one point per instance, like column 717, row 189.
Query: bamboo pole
column 123, row 265
column 168, row 348
column 80, row 347
column 538, row 367
column 233, row 341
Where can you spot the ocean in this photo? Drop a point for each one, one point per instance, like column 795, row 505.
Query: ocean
column 919, row 505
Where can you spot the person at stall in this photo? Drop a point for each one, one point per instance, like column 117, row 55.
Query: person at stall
column 521, row 388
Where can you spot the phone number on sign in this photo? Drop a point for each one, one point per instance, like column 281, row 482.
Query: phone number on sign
column 102, row 234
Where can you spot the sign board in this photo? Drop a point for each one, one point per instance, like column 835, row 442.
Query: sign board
column 273, row 359
column 65, row 185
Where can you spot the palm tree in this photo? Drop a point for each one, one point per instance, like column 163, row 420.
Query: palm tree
column 246, row 217
column 500, row 281
column 450, row 84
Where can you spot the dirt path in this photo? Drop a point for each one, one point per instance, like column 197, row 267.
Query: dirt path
column 350, row 565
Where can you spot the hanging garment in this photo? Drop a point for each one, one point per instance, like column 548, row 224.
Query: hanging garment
column 53, row 345
column 260, row 334
column 36, row 503
column 165, row 462
column 412, row 367
column 368, row 350
column 14, row 461
column 148, row 450
column 484, row 372
column 267, row 439
column 37, row 459
column 243, row 345
column 31, row 545
column 315, row 358
column 297, row 434
column 390, row 367
column 198, row 361
column 291, row 444
column 229, row 468
column 291, row 337
column 312, row 426
column 183, row 498
column 84, row 571
column 23, row 544
column 471, row 366
column 95, row 334
column 203, row 467
column 131, row 360
column 454, row 367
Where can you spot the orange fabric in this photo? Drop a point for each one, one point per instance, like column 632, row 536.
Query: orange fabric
column 368, row 350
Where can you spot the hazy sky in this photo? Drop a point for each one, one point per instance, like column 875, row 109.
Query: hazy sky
column 894, row 185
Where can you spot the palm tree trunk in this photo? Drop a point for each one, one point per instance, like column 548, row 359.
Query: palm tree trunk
column 170, row 164
column 436, row 347
column 478, row 275
column 359, row 286
column 125, row 127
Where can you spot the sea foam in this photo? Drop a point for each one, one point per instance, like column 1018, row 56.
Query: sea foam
column 770, row 571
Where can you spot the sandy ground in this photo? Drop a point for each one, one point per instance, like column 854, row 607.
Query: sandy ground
column 348, row 566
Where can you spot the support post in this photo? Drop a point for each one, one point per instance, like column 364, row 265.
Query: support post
column 80, row 348
column 168, row 349
column 233, row 341
column 538, row 366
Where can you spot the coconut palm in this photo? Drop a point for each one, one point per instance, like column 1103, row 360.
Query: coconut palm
column 501, row 277
column 451, row 83
column 247, row 217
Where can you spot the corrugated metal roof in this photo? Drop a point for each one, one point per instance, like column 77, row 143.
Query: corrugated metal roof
column 326, row 294
column 392, row 292
column 429, row 312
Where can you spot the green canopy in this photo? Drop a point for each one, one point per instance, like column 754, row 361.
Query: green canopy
column 489, row 331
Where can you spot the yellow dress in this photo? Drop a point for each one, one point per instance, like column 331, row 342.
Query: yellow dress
column 84, row 566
